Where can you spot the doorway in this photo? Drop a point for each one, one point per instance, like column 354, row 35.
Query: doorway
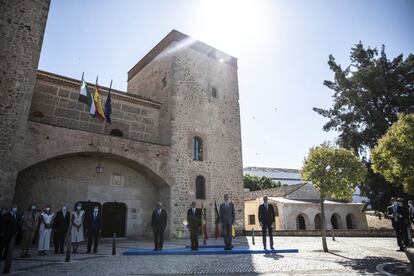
column 114, row 219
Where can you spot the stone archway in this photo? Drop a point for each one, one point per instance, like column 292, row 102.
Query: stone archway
column 351, row 222
column 336, row 221
column 71, row 178
column 318, row 221
column 300, row 222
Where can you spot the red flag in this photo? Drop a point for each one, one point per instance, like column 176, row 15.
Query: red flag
column 204, row 223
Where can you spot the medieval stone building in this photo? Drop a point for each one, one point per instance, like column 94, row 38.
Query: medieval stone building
column 174, row 137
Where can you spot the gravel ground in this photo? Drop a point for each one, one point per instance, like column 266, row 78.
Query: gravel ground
column 347, row 256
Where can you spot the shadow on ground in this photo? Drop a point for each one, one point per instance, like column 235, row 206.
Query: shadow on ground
column 368, row 264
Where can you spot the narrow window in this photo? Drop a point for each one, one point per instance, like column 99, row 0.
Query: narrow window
column 200, row 187
column 214, row 92
column 252, row 220
column 197, row 149
column 164, row 82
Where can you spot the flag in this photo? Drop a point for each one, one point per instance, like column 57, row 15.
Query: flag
column 108, row 105
column 233, row 232
column 217, row 232
column 203, row 224
column 86, row 97
column 98, row 104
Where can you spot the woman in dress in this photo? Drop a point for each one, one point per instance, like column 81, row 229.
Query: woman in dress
column 45, row 229
column 77, row 226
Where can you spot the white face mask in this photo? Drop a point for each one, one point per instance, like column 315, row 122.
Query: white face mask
column 95, row 210
column 79, row 208
column 14, row 210
column 47, row 209
column 64, row 209
column 33, row 207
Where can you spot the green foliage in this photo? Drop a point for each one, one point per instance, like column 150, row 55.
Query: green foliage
column 255, row 183
column 334, row 172
column 394, row 155
column 368, row 95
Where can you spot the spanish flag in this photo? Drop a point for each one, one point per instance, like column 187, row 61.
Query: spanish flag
column 98, row 104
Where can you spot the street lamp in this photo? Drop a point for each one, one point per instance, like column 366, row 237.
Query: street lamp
column 99, row 168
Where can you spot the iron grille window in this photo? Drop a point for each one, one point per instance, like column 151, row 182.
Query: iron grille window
column 197, row 149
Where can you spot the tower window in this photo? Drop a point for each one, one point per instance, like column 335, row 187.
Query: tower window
column 164, row 82
column 197, row 149
column 214, row 92
column 200, row 187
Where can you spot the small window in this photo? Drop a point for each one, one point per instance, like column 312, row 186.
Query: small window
column 214, row 92
column 164, row 82
column 197, row 149
column 117, row 133
column 200, row 187
column 252, row 220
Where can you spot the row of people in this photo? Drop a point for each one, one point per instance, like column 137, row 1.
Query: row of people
column 45, row 223
column 401, row 218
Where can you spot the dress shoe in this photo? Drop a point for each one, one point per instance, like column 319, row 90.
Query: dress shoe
column 155, row 249
column 271, row 247
column 87, row 252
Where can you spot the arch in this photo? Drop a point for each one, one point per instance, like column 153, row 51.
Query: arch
column 60, row 142
column 200, row 187
column 336, row 221
column 300, row 222
column 114, row 219
column 351, row 221
column 116, row 132
column 197, row 149
column 318, row 221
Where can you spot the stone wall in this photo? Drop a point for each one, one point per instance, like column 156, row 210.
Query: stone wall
column 22, row 25
column 67, row 180
column 55, row 102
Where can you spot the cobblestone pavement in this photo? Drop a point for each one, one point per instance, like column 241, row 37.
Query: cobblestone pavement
column 347, row 256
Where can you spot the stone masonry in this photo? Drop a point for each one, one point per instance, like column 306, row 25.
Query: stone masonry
column 180, row 90
column 22, row 25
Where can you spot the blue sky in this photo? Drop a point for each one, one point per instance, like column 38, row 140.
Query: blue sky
column 282, row 49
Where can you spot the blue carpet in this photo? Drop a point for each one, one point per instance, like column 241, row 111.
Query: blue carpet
column 207, row 251
column 208, row 246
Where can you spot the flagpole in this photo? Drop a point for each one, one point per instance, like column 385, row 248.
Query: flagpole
column 82, row 75
column 96, row 83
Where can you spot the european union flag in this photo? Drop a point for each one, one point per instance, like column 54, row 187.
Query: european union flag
column 108, row 106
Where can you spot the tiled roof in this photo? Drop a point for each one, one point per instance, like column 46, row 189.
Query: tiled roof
column 281, row 191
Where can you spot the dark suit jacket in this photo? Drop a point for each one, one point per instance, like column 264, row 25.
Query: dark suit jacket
column 61, row 224
column 159, row 219
column 400, row 216
column 194, row 221
column 94, row 224
column 227, row 215
column 266, row 217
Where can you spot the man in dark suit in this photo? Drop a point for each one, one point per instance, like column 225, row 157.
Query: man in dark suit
column 159, row 223
column 267, row 219
column 61, row 227
column 94, row 229
column 194, row 224
column 396, row 215
column 227, row 217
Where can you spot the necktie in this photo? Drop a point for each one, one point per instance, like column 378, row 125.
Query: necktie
column 266, row 207
column 193, row 211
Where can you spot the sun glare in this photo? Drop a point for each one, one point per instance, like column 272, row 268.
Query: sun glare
column 232, row 24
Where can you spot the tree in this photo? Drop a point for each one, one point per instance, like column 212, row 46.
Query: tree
column 394, row 155
column 334, row 172
column 255, row 183
column 368, row 96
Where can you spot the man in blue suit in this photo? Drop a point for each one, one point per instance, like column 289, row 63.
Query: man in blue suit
column 396, row 214
column 94, row 229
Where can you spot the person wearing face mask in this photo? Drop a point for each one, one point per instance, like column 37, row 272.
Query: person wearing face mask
column 45, row 229
column 395, row 214
column 29, row 226
column 267, row 219
column 10, row 228
column 410, row 217
column 94, row 229
column 61, row 227
column 227, row 217
column 158, row 224
column 194, row 224
column 78, row 218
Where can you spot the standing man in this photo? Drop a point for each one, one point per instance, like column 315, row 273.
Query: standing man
column 11, row 221
column 395, row 214
column 30, row 222
column 158, row 223
column 194, row 223
column 94, row 229
column 61, row 227
column 267, row 219
column 227, row 218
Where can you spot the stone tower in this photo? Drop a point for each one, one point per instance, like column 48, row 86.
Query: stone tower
column 22, row 25
column 198, row 88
